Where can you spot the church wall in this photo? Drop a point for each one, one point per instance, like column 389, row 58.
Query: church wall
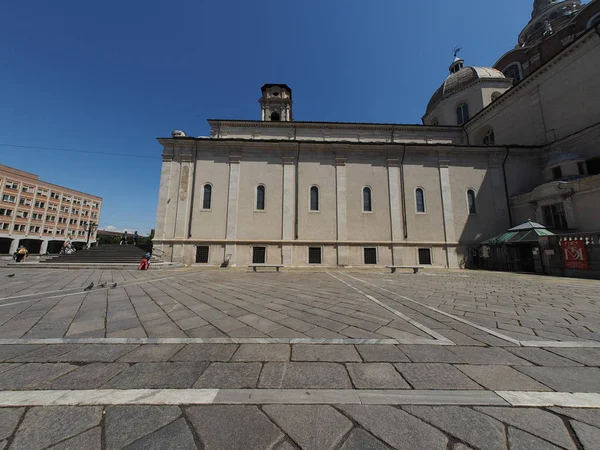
column 586, row 210
column 212, row 168
column 317, row 169
column 260, row 168
column 367, row 169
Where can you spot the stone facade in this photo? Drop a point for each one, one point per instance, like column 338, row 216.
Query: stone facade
column 351, row 194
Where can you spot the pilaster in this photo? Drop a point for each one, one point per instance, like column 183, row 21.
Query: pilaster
column 341, row 196
column 393, row 167
column 232, row 205
column 289, row 205
column 497, row 179
column 448, row 213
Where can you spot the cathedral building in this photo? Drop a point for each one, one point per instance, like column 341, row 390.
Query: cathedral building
column 498, row 146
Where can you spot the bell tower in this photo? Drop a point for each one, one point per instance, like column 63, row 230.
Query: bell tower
column 276, row 103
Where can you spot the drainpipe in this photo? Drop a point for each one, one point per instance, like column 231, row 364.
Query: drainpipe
column 466, row 133
column 404, row 226
column 193, row 191
column 296, row 196
column 510, row 220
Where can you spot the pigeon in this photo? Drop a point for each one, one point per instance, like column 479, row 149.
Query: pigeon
column 102, row 285
column 11, row 275
column 89, row 288
column 113, row 286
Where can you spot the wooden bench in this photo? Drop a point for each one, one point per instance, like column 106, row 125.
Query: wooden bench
column 255, row 266
column 414, row 268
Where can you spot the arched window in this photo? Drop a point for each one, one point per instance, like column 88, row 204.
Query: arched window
column 462, row 113
column 514, row 71
column 314, row 198
column 367, row 204
column 260, row 198
column 488, row 138
column 275, row 117
column 471, row 201
column 420, row 200
column 207, row 196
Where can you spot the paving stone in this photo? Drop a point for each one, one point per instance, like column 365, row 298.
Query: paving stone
column 233, row 427
column 175, row 436
column 260, row 323
column 588, row 435
column 127, row 424
column 206, row 352
column 317, row 427
column 535, row 421
column 542, row 357
column 151, row 353
column 90, row 376
column 589, row 416
column 285, row 445
column 309, row 375
column 5, row 367
column 435, row 376
column 376, row 376
column 359, row 439
column 296, row 324
column 11, row 351
column 206, row 331
column 326, row 353
column 381, row 353
column 9, row 419
column 587, row 356
column 460, row 446
column 429, row 353
column 566, row 379
column 90, row 440
column 520, row 440
column 462, row 339
column 3, row 444
column 227, row 324
column 469, row 426
column 262, row 352
column 46, row 426
column 97, row 352
column 240, row 375
column 31, row 376
column 488, row 355
column 502, row 378
column 396, row 428
column 47, row 353
column 171, row 375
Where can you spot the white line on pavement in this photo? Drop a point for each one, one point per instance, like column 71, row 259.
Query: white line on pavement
column 296, row 396
column 222, row 340
column 413, row 322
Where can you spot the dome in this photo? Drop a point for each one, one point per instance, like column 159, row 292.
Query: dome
column 461, row 79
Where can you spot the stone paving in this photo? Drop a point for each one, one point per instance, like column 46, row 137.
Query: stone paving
column 212, row 359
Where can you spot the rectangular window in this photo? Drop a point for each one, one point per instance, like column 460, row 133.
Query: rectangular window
column 425, row 256
column 54, row 195
column 40, row 204
column 556, row 173
column 5, row 212
column 53, row 207
column 8, row 198
column 22, row 214
column 12, row 185
column 50, row 218
column 62, row 220
column 202, row 254
column 19, row 227
column 370, row 255
column 4, row 226
column 593, row 166
column 34, row 229
column 258, row 255
column 554, row 216
column 314, row 255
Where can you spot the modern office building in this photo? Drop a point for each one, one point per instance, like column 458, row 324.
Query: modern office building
column 41, row 216
column 498, row 146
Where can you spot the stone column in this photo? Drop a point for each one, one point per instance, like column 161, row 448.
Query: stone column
column 14, row 245
column 395, row 216
column 342, row 228
column 448, row 213
column 289, row 206
column 44, row 247
column 163, row 201
column 498, row 191
column 232, row 206
column 569, row 214
column 183, row 198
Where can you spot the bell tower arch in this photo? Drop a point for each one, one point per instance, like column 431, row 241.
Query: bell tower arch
column 276, row 103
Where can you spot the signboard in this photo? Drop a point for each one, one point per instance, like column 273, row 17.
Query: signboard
column 575, row 255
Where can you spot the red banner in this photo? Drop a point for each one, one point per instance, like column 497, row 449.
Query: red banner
column 575, row 255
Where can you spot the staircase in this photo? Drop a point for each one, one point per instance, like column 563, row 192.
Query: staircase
column 108, row 256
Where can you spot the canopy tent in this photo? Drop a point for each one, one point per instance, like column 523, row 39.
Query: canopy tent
column 528, row 232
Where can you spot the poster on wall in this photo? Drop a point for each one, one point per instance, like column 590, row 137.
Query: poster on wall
column 575, row 255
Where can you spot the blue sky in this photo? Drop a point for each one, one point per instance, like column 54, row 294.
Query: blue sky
column 111, row 77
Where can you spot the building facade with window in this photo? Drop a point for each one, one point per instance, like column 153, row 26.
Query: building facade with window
column 41, row 216
column 490, row 154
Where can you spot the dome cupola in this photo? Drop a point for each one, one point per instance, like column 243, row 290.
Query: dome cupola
column 547, row 17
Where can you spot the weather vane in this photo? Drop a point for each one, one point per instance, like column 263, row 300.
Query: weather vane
column 457, row 51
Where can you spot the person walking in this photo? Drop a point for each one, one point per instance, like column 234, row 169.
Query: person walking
column 123, row 239
column 135, row 238
column 22, row 254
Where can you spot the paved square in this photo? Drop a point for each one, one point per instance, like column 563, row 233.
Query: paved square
column 186, row 358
